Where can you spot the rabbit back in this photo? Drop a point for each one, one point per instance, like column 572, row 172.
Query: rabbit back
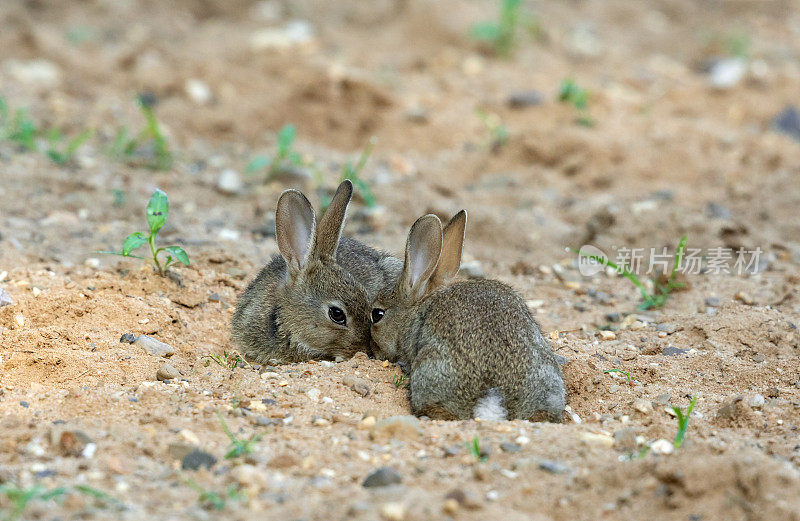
column 474, row 344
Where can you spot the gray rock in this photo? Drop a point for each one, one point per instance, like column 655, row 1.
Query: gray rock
column 128, row 338
column 396, row 427
column 756, row 401
column 5, row 298
column 663, row 398
column 229, row 182
column 613, row 317
column 525, row 98
column 465, row 498
column 788, row 122
column 452, row 450
column 717, row 211
column 561, row 359
column 759, row 357
column 673, row 351
column 357, row 384
column 153, row 346
column 197, row 459
column 625, row 440
column 167, row 372
column 667, row 328
column 553, row 467
column 511, row 448
column 712, row 302
column 382, row 477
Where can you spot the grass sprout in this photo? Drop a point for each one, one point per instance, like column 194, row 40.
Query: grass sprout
column 149, row 148
column 400, row 380
column 285, row 156
column 19, row 498
column 570, row 92
column 62, row 155
column 238, row 447
column 628, row 376
column 501, row 35
column 661, row 292
column 226, row 360
column 210, row 500
column 474, row 447
column 352, row 171
column 683, row 421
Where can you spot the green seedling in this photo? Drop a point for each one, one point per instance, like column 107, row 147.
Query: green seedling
column 495, row 128
column 285, row 156
column 62, row 156
column 149, row 148
column 474, row 447
column 661, row 292
column 628, row 376
column 570, row 92
column 227, row 360
column 683, row 421
column 19, row 129
column 157, row 210
column 211, row 500
column 238, row 447
column 738, row 45
column 352, row 171
column 400, row 380
column 20, row 498
column 501, row 35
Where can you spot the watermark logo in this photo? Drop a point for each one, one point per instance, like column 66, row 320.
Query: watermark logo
column 591, row 260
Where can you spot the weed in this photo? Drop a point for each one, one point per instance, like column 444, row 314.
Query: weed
column 63, row 156
column 495, row 128
column 211, row 500
column 352, row 171
column 474, row 447
column 658, row 297
column 19, row 129
column 149, row 147
column 400, row 380
column 157, row 210
column 20, row 498
column 683, row 421
column 119, row 197
column 628, row 376
column 501, row 35
column 570, row 92
column 285, row 157
column 227, row 360
column 238, row 447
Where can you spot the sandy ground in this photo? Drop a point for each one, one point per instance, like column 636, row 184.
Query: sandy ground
column 669, row 155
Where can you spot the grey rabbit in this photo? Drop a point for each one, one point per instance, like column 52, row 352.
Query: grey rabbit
column 471, row 347
column 312, row 300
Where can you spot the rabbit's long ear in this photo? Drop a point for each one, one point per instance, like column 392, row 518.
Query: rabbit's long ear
column 295, row 225
column 452, row 242
column 423, row 248
column 332, row 222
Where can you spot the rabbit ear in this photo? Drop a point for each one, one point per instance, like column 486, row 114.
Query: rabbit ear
column 332, row 222
column 295, row 225
column 452, row 242
column 422, row 254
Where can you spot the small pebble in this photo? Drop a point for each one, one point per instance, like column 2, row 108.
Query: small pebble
column 229, row 182
column 393, row 511
column 382, row 477
column 607, row 335
column 197, row 459
column 153, row 346
column 662, row 446
column 525, row 98
column 756, row 401
column 167, row 372
column 511, row 448
column 357, row 384
column 712, row 302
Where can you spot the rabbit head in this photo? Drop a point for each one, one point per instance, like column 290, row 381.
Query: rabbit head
column 432, row 259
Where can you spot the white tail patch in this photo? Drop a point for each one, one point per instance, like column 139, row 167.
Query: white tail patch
column 490, row 407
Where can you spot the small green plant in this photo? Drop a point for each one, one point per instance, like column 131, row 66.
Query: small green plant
column 495, row 128
column 63, row 155
column 226, row 360
column 501, row 35
column 352, row 171
column 570, row 92
column 661, row 292
column 19, row 129
column 474, row 447
column 628, row 376
column 149, row 148
column 400, row 380
column 285, row 156
column 683, row 421
column 20, row 498
column 157, row 210
column 737, row 44
column 211, row 500
column 238, row 447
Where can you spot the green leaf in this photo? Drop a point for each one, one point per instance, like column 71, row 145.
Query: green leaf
column 157, row 210
column 179, row 254
column 486, row 31
column 286, row 137
column 132, row 242
column 258, row 163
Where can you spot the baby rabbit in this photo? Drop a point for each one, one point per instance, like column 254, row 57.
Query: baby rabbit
column 312, row 300
column 471, row 348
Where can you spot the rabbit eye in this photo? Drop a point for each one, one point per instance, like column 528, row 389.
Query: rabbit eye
column 337, row 315
column 377, row 315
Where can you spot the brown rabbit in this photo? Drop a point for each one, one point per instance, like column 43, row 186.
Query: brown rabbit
column 312, row 300
column 471, row 348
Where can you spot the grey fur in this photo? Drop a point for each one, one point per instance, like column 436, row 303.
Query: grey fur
column 282, row 315
column 460, row 340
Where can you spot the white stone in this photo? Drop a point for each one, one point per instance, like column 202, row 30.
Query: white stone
column 198, row 91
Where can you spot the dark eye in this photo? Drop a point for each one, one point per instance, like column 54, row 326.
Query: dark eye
column 377, row 315
column 337, row 315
